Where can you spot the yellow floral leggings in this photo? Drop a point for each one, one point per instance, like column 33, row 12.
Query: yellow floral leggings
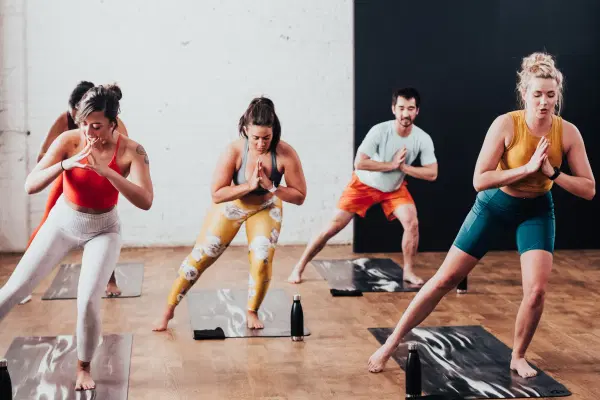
column 263, row 223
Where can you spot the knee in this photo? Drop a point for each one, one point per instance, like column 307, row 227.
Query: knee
column 332, row 230
column 10, row 290
column 212, row 247
column 88, row 305
column 448, row 282
column 260, row 247
column 411, row 225
column 88, row 316
column 535, row 297
column 189, row 271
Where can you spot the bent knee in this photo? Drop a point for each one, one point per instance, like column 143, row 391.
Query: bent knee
column 333, row 229
column 11, row 289
column 212, row 246
column 260, row 246
column 535, row 297
column 448, row 282
column 411, row 225
column 89, row 307
column 189, row 271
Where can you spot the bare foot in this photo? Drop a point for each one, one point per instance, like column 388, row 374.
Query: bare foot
column 520, row 366
column 296, row 275
column 84, row 378
column 409, row 276
column 161, row 325
column 253, row 321
column 112, row 290
column 379, row 358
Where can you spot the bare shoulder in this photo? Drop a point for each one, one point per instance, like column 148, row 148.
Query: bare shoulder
column 232, row 151
column 72, row 137
column 131, row 145
column 286, row 150
column 63, row 120
column 502, row 128
column 132, row 148
column 503, row 122
column 236, row 147
column 73, row 134
column 570, row 130
column 570, row 135
column 70, row 141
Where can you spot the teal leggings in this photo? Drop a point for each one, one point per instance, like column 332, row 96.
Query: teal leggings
column 496, row 212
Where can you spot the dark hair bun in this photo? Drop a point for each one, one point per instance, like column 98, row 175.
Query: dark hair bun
column 116, row 90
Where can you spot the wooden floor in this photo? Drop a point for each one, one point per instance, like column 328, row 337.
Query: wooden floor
column 330, row 364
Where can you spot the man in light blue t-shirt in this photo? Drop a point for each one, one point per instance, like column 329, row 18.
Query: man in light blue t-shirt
column 382, row 162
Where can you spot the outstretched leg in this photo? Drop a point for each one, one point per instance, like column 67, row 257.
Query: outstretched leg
column 454, row 268
column 536, row 266
column 53, row 196
column 220, row 227
column 340, row 220
column 469, row 247
column 48, row 249
column 262, row 230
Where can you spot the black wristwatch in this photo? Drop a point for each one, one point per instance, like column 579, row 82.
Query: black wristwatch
column 556, row 174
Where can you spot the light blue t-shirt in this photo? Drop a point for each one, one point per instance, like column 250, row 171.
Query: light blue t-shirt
column 382, row 142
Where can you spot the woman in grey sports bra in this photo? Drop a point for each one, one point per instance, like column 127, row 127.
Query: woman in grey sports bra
column 240, row 176
column 255, row 164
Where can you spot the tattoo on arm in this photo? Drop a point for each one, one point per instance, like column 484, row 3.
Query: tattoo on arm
column 141, row 151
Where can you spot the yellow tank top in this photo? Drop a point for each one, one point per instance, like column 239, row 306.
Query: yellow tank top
column 522, row 147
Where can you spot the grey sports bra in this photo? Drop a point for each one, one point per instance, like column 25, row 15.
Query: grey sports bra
column 240, row 176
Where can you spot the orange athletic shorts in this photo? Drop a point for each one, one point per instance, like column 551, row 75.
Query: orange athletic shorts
column 358, row 198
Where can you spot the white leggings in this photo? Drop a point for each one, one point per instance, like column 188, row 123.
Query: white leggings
column 64, row 230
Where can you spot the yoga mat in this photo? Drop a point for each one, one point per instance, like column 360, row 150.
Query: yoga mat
column 353, row 277
column 221, row 313
column 130, row 277
column 44, row 367
column 470, row 362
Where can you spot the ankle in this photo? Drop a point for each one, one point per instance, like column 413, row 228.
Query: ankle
column 83, row 366
column 170, row 310
column 516, row 356
column 391, row 344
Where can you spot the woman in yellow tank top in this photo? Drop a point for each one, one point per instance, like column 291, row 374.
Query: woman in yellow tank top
column 518, row 164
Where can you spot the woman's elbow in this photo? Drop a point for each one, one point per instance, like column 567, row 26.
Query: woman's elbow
column 216, row 199
column 145, row 203
column 590, row 193
column 29, row 188
column 300, row 201
column 477, row 184
column 148, row 205
column 148, row 201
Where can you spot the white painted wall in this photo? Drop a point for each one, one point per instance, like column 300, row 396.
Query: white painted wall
column 14, row 213
column 188, row 70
